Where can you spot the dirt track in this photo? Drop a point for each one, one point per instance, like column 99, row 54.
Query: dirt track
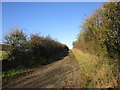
column 60, row 74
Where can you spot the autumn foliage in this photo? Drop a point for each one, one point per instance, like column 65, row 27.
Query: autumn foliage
column 100, row 33
column 31, row 51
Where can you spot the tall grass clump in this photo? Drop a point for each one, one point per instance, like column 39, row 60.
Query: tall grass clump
column 95, row 72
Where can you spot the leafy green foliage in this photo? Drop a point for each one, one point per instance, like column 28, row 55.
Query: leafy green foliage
column 11, row 73
column 101, row 37
column 101, row 32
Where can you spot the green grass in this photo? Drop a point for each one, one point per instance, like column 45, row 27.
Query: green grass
column 11, row 73
column 94, row 72
column 14, row 72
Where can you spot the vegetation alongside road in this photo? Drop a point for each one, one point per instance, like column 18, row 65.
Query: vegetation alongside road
column 97, row 48
column 97, row 52
column 95, row 72
column 24, row 53
column 78, row 70
column 100, row 33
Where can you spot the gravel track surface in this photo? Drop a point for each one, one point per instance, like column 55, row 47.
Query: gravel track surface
column 60, row 74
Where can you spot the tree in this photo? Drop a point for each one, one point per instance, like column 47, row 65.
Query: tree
column 101, row 31
column 17, row 41
column 16, row 38
column 38, row 50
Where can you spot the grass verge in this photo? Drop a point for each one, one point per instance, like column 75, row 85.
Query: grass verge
column 95, row 72
column 11, row 73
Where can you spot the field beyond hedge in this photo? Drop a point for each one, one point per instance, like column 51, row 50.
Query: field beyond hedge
column 3, row 54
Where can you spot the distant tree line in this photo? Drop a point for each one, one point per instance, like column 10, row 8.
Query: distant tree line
column 100, row 33
column 32, row 51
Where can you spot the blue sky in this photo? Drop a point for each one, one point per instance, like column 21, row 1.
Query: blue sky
column 61, row 20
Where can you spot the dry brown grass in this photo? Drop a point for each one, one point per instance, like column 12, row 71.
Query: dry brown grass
column 94, row 72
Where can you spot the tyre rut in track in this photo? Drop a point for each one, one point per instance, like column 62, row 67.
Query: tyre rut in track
column 63, row 73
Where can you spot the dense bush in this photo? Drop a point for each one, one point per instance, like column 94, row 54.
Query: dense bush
column 101, row 32
column 33, row 51
column 47, row 48
column 100, row 36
